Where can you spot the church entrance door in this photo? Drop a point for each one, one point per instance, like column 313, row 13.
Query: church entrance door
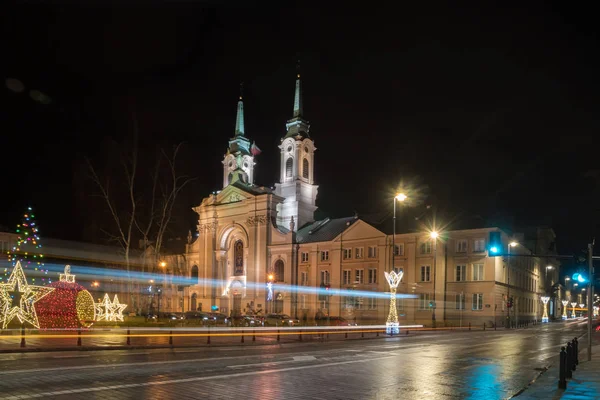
column 236, row 310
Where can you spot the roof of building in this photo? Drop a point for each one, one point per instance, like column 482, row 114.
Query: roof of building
column 252, row 189
column 324, row 230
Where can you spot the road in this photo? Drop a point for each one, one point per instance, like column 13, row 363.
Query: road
column 436, row 365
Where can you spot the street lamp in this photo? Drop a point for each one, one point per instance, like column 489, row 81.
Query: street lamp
column 573, row 304
column 511, row 244
column 399, row 197
column 270, row 278
column 434, row 236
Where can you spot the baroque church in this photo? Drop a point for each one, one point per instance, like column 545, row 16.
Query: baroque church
column 246, row 232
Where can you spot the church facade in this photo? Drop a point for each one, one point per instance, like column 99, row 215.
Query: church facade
column 259, row 250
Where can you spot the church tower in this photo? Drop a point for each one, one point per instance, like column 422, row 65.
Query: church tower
column 238, row 163
column 296, row 182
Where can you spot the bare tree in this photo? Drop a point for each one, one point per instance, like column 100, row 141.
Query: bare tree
column 151, row 219
column 124, row 221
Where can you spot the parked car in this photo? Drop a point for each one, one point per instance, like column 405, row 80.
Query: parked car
column 246, row 320
column 281, row 320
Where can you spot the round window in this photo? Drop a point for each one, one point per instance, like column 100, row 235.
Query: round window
column 289, row 148
column 230, row 164
column 306, row 149
column 246, row 165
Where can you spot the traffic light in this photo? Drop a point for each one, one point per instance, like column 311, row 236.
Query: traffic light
column 495, row 244
column 577, row 277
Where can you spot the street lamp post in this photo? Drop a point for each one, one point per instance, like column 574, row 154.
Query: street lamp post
column 573, row 304
column 434, row 236
column 511, row 244
column 399, row 197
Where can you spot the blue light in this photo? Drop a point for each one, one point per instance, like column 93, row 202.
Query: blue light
column 494, row 249
column 578, row 277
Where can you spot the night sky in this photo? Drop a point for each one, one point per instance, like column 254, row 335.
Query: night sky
column 484, row 112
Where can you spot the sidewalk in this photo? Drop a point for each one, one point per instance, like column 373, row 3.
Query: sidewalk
column 585, row 383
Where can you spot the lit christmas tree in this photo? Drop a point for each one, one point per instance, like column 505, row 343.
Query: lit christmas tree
column 28, row 250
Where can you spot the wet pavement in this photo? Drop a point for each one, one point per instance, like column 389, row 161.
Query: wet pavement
column 436, row 365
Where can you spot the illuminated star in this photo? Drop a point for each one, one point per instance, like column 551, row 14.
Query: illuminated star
column 18, row 298
column 108, row 310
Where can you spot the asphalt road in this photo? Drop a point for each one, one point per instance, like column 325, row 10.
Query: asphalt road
column 437, row 365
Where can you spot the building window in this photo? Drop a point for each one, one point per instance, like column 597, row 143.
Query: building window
column 305, row 257
column 477, row 272
column 289, row 164
column 325, row 277
column 399, row 249
column 477, row 301
column 424, row 299
column 303, row 302
column 325, row 255
column 400, row 304
column 425, row 273
column 479, row 245
column 426, row 247
column 372, row 275
column 238, row 266
column 460, row 301
column 347, row 277
column 279, row 271
column 5, row 247
column 304, row 278
column 372, row 253
column 305, row 168
column 359, row 276
column 358, row 252
column 461, row 273
column 461, row 246
column 347, row 254
column 194, row 276
column 372, row 303
column 358, row 304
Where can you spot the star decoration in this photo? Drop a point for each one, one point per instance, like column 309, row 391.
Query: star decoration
column 108, row 310
column 17, row 298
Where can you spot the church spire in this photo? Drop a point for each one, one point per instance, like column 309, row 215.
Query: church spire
column 298, row 93
column 239, row 120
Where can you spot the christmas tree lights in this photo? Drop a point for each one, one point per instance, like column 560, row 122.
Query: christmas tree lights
column 17, row 298
column 69, row 306
column 28, row 249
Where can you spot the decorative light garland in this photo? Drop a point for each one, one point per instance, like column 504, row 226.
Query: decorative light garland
column 17, row 298
column 70, row 306
column 392, row 325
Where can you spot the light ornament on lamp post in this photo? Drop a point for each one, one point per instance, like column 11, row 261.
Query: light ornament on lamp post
column 392, row 326
column 545, row 300
column 573, row 304
column 564, row 303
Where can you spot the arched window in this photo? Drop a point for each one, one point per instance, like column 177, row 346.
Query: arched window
column 194, row 275
column 229, row 178
column 279, row 271
column 305, row 168
column 289, row 164
column 238, row 257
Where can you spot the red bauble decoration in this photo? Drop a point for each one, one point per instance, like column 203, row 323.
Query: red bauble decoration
column 69, row 306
